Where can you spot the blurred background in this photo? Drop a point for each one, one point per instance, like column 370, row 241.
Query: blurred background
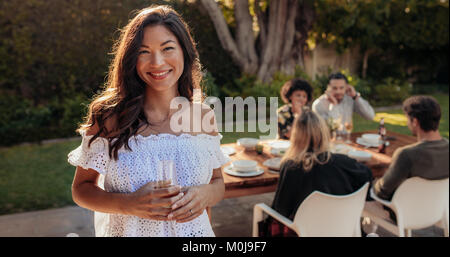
column 54, row 57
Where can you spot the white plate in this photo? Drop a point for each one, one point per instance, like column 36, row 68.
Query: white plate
column 280, row 144
column 362, row 142
column 228, row 150
column 230, row 171
column 361, row 156
column 341, row 148
column 273, row 163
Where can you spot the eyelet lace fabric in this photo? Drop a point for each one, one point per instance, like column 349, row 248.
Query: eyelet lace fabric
column 195, row 157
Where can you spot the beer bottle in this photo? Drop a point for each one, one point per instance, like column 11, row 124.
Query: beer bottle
column 382, row 133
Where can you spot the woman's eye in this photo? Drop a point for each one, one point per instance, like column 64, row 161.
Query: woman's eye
column 143, row 52
column 168, row 48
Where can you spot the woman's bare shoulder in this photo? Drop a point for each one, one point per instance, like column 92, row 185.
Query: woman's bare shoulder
column 110, row 125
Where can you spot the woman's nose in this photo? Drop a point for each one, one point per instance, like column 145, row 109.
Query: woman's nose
column 157, row 60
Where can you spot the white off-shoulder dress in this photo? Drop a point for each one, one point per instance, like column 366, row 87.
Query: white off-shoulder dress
column 195, row 157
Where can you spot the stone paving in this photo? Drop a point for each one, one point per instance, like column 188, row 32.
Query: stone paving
column 231, row 218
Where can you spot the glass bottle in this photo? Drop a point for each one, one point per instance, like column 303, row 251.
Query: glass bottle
column 382, row 133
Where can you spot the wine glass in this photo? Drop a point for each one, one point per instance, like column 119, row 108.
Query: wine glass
column 166, row 171
column 348, row 129
column 339, row 127
column 337, row 117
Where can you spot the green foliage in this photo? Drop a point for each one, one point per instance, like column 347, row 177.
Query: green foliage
column 73, row 110
column 249, row 85
column 406, row 38
column 429, row 89
column 21, row 121
column 54, row 56
column 209, row 85
column 390, row 91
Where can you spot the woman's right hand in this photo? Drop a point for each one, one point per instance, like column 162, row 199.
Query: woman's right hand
column 153, row 200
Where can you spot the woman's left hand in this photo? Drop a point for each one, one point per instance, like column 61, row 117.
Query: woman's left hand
column 192, row 205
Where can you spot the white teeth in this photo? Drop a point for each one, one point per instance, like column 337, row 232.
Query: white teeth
column 160, row 74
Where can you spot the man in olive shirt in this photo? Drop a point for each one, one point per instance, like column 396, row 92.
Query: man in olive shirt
column 428, row 158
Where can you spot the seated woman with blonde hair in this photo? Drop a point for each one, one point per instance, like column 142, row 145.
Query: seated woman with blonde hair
column 309, row 165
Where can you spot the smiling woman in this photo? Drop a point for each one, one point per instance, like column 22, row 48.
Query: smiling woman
column 127, row 138
column 138, row 71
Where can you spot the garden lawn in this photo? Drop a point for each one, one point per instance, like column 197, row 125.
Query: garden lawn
column 36, row 177
column 395, row 120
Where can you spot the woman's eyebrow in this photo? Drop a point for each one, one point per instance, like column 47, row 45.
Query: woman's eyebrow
column 168, row 41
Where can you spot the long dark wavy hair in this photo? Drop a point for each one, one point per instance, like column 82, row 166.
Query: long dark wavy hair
column 123, row 95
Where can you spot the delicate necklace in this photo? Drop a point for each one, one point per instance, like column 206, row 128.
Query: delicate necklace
column 163, row 120
column 160, row 123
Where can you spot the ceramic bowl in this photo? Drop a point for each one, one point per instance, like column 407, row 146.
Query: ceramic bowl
column 248, row 143
column 373, row 139
column 244, row 165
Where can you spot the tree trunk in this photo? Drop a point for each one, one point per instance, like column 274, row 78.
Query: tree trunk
column 223, row 32
column 280, row 37
column 244, row 36
column 365, row 62
column 284, row 27
column 262, row 21
column 303, row 24
column 288, row 60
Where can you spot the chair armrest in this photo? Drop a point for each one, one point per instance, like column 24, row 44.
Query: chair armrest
column 258, row 211
column 378, row 199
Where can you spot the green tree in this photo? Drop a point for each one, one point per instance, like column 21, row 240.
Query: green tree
column 380, row 28
column 269, row 36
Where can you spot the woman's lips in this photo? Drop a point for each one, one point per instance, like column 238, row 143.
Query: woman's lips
column 159, row 75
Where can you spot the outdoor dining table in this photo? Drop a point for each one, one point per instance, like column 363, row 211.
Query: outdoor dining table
column 267, row 182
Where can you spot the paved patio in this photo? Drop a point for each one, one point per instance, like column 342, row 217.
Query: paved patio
column 231, row 218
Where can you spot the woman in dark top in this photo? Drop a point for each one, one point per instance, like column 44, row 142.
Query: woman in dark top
column 309, row 165
column 296, row 94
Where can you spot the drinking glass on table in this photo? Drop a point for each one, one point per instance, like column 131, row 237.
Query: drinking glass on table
column 348, row 129
column 335, row 122
column 340, row 128
column 166, row 171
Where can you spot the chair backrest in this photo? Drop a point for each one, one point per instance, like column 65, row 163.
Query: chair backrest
column 328, row 215
column 420, row 203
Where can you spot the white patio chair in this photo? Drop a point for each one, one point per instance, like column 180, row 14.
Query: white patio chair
column 417, row 203
column 321, row 214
